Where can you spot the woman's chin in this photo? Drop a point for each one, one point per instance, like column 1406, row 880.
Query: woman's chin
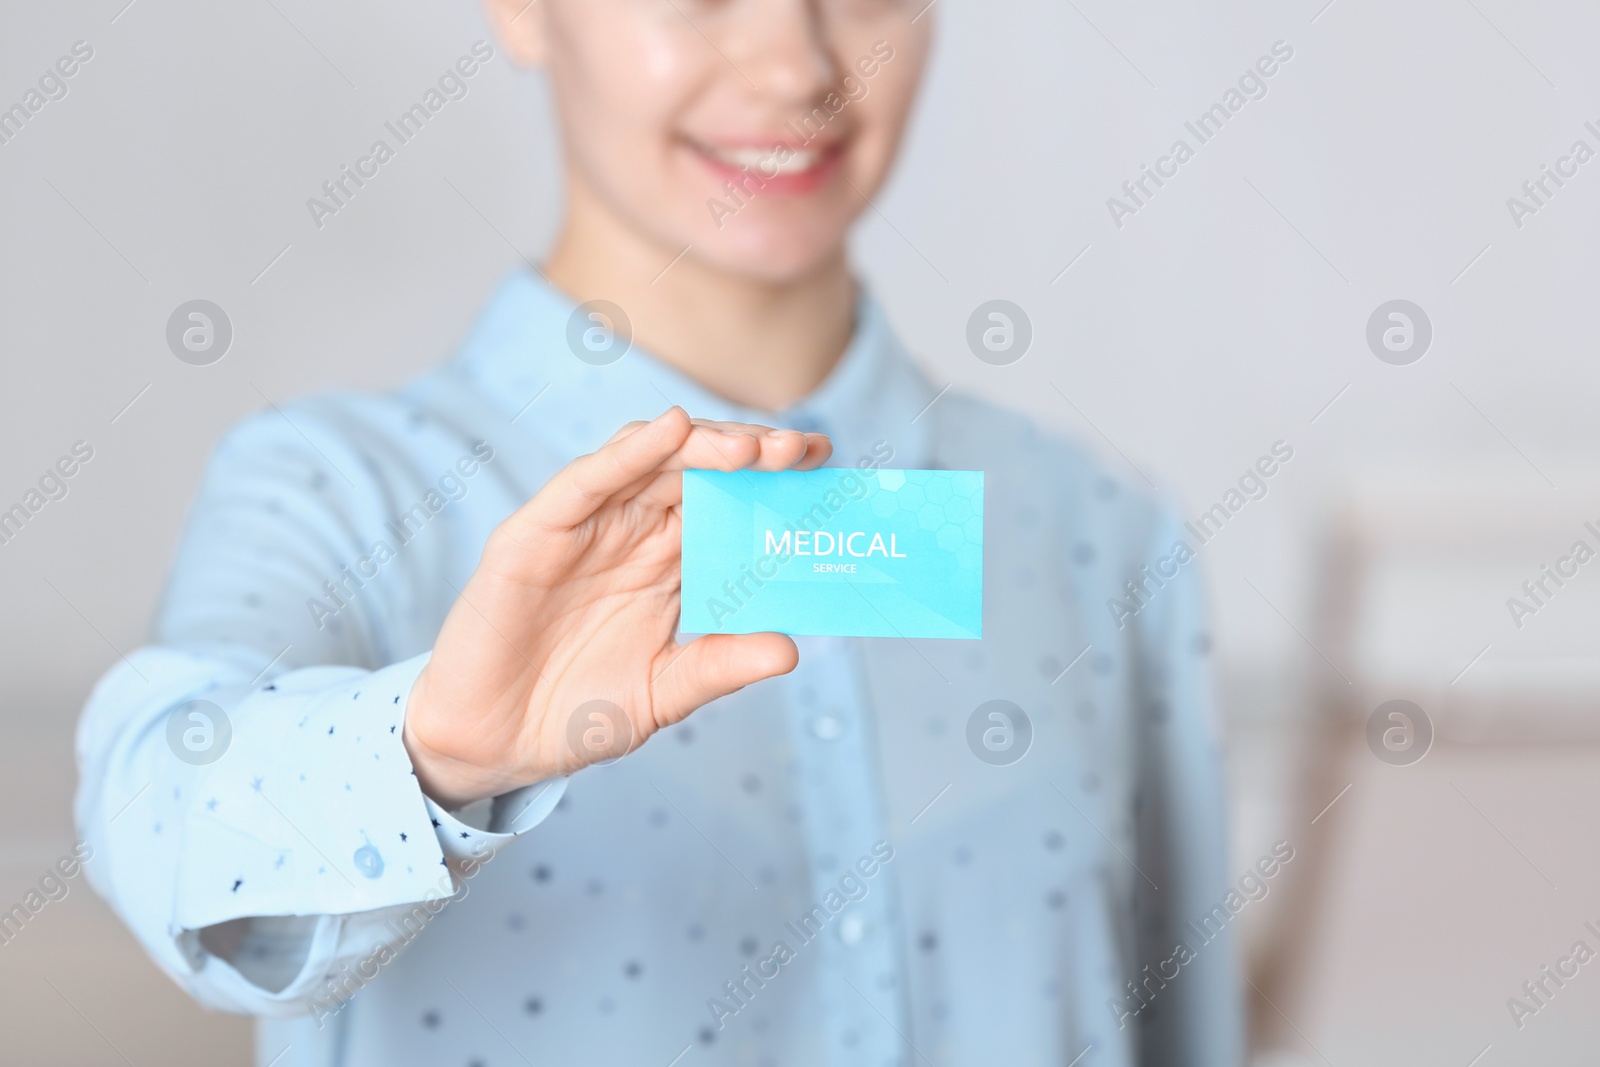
column 775, row 253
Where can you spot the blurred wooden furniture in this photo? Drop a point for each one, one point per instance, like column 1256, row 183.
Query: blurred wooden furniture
column 1424, row 895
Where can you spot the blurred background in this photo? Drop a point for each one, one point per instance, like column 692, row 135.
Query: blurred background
column 1441, row 858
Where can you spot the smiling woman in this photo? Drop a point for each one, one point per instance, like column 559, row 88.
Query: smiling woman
column 800, row 165
column 661, row 106
column 659, row 103
column 498, row 684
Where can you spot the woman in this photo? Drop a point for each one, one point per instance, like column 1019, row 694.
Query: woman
column 405, row 631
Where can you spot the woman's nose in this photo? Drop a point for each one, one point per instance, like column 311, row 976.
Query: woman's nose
column 782, row 49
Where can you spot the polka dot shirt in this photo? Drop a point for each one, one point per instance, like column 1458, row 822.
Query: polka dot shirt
column 904, row 852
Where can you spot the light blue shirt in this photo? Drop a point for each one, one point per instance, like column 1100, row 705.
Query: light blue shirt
column 846, row 865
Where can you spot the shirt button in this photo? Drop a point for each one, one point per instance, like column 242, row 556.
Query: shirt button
column 852, row 928
column 826, row 727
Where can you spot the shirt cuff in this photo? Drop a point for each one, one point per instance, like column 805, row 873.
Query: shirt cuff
column 313, row 808
column 476, row 832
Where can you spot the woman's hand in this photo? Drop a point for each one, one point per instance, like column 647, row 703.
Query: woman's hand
column 561, row 651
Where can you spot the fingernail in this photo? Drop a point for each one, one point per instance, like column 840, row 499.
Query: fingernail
column 779, row 433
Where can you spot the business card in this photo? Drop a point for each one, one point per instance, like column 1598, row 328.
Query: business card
column 839, row 551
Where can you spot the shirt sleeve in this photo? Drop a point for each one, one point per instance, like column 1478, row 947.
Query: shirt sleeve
column 1182, row 819
column 252, row 810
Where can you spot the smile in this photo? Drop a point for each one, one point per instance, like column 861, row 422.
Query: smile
column 776, row 167
column 767, row 161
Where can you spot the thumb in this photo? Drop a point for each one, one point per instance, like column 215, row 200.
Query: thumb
column 716, row 665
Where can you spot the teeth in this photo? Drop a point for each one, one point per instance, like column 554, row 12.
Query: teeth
column 799, row 161
column 767, row 159
column 741, row 157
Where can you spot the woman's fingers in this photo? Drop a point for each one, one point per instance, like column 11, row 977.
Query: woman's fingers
column 819, row 449
column 728, row 447
column 664, row 488
column 781, row 449
column 714, row 666
column 580, row 488
column 754, row 429
column 663, row 491
column 639, row 455
column 721, row 445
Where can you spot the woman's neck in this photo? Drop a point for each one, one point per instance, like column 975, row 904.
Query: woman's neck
column 760, row 344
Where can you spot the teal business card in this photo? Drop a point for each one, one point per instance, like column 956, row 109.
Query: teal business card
column 840, row 551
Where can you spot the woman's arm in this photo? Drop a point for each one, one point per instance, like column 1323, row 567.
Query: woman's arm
column 299, row 852
column 284, row 836
column 255, row 851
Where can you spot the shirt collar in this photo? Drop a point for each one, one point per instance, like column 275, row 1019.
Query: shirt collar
column 518, row 354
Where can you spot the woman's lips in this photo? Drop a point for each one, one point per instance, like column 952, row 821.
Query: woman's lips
column 759, row 170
